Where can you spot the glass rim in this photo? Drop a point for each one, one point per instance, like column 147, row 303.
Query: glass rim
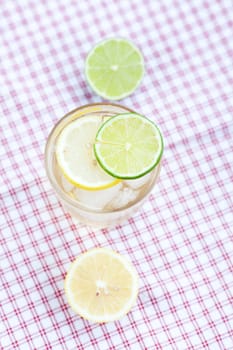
column 57, row 188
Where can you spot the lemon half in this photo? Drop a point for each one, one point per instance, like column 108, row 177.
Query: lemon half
column 101, row 285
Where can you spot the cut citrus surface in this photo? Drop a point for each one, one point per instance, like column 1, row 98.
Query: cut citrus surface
column 75, row 156
column 128, row 146
column 101, row 285
column 114, row 68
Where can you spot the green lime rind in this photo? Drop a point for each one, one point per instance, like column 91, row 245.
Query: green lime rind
column 109, row 82
column 116, row 137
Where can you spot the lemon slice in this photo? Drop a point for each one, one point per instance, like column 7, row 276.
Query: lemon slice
column 75, row 156
column 128, row 146
column 114, row 68
column 101, row 285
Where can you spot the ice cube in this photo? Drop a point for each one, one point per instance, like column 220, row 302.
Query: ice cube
column 124, row 197
column 97, row 199
column 137, row 183
column 67, row 186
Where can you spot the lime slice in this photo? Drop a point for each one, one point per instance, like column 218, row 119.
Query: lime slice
column 75, row 156
column 114, row 68
column 128, row 146
column 101, row 285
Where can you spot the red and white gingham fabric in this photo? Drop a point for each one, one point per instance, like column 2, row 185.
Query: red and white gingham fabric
column 181, row 241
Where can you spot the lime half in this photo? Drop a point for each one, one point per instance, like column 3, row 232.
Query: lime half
column 114, row 68
column 128, row 146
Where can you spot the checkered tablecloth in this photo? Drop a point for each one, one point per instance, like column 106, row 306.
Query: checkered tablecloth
column 181, row 241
